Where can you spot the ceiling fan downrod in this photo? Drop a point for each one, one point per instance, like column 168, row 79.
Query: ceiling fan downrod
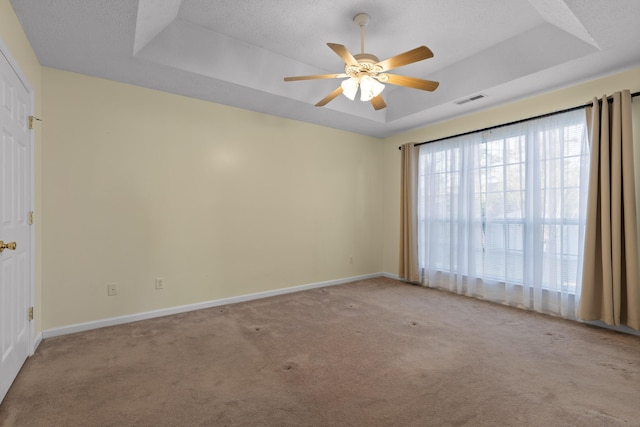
column 362, row 20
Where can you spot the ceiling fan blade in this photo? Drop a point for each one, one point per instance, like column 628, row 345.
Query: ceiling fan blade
column 343, row 53
column 324, row 101
column 409, row 57
column 412, row 82
column 318, row 76
column 378, row 103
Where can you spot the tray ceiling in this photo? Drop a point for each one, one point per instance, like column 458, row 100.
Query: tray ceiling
column 237, row 52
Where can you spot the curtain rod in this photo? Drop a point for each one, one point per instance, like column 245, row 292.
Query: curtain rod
column 566, row 110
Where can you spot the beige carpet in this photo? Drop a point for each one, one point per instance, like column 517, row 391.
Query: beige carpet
column 369, row 353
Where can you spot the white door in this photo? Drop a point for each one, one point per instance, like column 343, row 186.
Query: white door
column 15, row 205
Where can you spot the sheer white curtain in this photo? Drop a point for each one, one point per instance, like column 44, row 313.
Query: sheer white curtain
column 501, row 214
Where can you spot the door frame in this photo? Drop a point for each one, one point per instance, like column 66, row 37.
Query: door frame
column 13, row 63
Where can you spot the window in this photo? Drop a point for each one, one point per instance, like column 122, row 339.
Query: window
column 501, row 213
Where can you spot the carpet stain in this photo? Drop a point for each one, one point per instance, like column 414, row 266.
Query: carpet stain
column 289, row 366
column 550, row 397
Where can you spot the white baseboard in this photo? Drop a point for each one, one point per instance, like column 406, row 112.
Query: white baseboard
column 112, row 321
column 391, row 276
column 36, row 343
column 621, row 328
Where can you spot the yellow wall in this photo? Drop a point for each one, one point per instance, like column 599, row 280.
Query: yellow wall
column 553, row 101
column 16, row 41
column 219, row 201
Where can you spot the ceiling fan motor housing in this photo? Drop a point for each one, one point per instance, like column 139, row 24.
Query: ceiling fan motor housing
column 366, row 65
column 366, row 58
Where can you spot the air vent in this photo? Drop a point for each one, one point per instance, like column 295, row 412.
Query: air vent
column 472, row 98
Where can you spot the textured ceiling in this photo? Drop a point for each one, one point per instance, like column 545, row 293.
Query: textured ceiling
column 236, row 52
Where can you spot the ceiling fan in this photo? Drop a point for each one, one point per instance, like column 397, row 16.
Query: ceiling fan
column 367, row 72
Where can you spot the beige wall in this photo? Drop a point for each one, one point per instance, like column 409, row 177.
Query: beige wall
column 219, row 201
column 16, row 41
column 553, row 101
column 133, row 184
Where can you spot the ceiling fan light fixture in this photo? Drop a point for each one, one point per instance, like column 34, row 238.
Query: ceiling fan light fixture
column 370, row 88
column 350, row 87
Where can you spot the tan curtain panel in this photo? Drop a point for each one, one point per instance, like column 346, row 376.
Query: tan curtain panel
column 409, row 269
column 610, row 288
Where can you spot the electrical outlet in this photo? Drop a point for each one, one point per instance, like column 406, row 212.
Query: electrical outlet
column 112, row 289
column 159, row 283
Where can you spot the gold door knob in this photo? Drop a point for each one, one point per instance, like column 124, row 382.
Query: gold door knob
column 11, row 246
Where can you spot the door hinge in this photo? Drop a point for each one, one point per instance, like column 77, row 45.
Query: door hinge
column 31, row 218
column 30, row 313
column 31, row 119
